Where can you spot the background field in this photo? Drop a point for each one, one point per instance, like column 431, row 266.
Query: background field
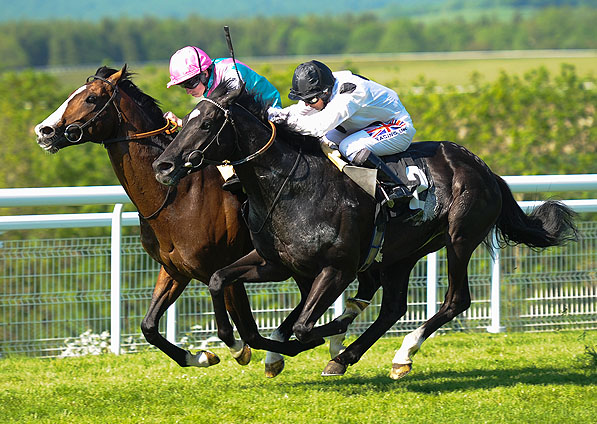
column 513, row 378
column 401, row 71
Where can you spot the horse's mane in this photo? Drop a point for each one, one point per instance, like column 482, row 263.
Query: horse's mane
column 258, row 107
column 147, row 103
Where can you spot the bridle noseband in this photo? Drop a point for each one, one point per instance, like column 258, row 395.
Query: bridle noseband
column 201, row 152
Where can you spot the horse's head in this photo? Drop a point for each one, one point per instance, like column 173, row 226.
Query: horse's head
column 89, row 114
column 208, row 136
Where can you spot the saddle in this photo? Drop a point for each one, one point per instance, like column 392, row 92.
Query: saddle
column 411, row 167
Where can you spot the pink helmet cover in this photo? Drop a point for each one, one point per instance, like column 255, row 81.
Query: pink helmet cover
column 186, row 63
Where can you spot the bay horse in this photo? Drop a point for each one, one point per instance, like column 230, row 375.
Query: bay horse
column 311, row 222
column 191, row 230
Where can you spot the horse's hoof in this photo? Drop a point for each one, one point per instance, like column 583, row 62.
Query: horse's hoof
column 212, row 358
column 400, row 370
column 273, row 369
column 202, row 359
column 333, row 368
column 245, row 355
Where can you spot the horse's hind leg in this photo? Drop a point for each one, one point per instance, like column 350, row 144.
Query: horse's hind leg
column 166, row 291
column 459, row 249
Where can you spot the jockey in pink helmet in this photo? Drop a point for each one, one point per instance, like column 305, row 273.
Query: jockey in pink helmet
column 192, row 69
column 186, row 63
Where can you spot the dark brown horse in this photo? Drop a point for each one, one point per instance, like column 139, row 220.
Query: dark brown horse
column 191, row 230
column 311, row 222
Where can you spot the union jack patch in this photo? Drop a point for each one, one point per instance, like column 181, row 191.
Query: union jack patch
column 387, row 129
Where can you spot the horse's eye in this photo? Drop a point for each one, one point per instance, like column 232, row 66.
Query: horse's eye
column 206, row 125
column 92, row 98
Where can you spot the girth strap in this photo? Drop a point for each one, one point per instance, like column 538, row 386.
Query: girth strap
column 379, row 229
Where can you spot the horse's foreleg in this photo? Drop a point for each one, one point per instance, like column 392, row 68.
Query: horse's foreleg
column 326, row 288
column 236, row 299
column 274, row 362
column 166, row 291
column 250, row 268
column 368, row 285
column 393, row 307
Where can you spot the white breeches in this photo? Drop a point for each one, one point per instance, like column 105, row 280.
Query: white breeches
column 388, row 138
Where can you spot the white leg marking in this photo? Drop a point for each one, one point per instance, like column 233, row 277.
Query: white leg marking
column 337, row 345
column 271, row 357
column 410, row 345
column 352, row 309
column 200, row 360
column 237, row 349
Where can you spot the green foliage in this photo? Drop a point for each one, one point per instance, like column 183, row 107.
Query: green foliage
column 540, row 115
column 69, row 42
column 505, row 378
column 550, row 119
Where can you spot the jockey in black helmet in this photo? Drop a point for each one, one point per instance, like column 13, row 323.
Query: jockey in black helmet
column 361, row 118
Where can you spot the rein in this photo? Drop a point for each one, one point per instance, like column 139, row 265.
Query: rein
column 278, row 194
column 170, row 128
column 270, row 142
column 201, row 153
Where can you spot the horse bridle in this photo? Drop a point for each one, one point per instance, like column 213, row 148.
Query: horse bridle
column 169, row 128
column 201, row 153
column 79, row 128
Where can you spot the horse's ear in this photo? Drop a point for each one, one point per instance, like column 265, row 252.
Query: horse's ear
column 115, row 77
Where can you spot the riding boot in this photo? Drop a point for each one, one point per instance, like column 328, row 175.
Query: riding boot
column 233, row 185
column 368, row 159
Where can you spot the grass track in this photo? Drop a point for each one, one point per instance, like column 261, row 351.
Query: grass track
column 473, row 378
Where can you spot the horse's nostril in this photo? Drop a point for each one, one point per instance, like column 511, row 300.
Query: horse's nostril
column 163, row 167
column 47, row 131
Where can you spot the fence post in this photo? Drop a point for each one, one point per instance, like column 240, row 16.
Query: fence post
column 115, row 269
column 495, row 326
column 171, row 324
column 431, row 284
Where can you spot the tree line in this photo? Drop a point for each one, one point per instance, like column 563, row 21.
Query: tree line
column 68, row 42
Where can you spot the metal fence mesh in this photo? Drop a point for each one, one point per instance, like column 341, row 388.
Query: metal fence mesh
column 55, row 289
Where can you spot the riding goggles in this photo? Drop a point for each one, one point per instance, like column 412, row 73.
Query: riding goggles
column 191, row 82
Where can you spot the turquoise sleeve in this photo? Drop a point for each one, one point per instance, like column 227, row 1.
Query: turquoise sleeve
column 260, row 86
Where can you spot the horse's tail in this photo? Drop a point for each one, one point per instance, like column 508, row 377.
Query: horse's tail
column 551, row 224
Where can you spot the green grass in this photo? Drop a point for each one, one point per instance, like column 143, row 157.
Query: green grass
column 473, row 378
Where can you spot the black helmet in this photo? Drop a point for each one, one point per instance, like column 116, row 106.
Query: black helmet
column 311, row 79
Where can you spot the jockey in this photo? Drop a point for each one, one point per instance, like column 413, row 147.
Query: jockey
column 192, row 69
column 361, row 118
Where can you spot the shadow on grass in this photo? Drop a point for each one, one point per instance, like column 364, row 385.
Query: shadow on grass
column 448, row 381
